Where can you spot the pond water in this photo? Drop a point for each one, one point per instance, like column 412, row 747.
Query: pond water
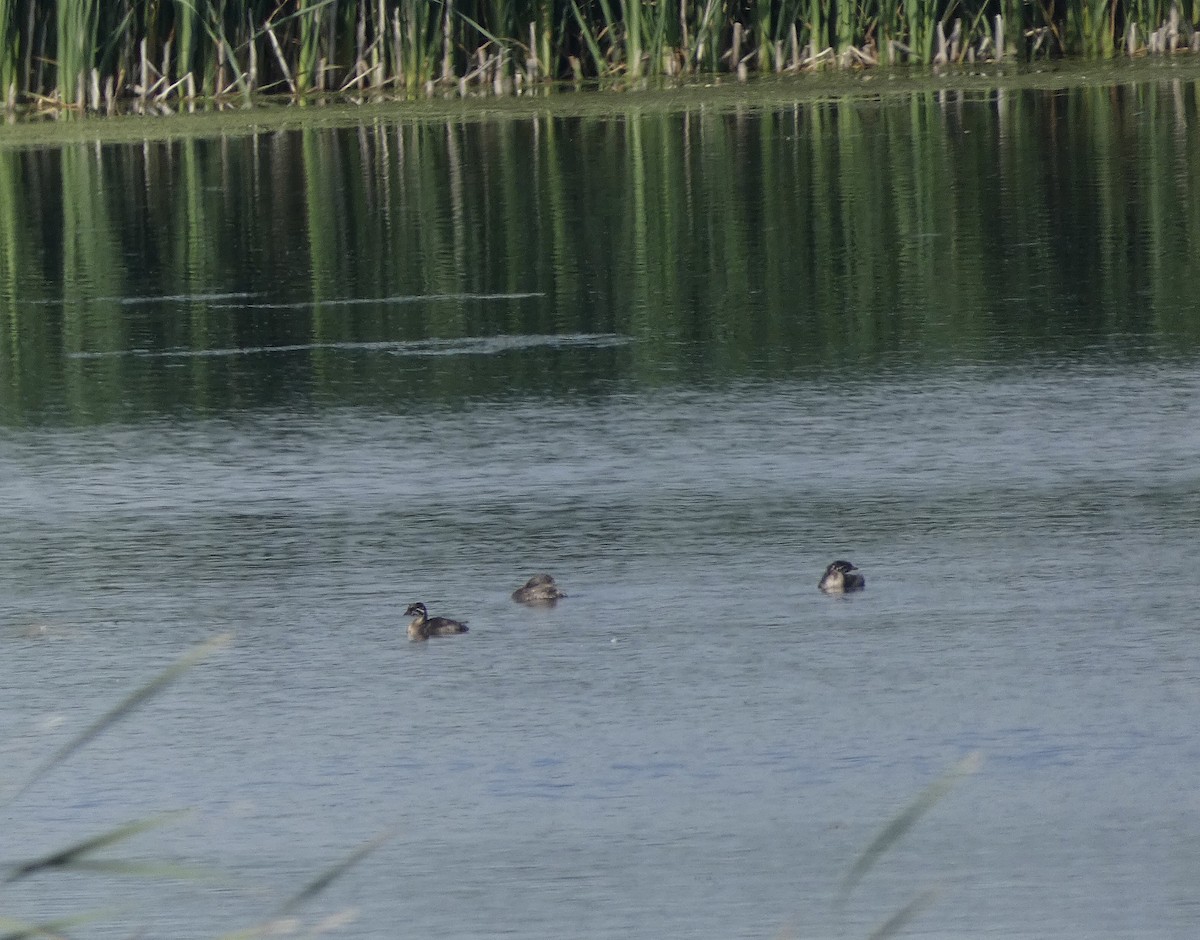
column 283, row 385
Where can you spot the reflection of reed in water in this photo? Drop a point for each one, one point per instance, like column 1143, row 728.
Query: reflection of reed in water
column 857, row 234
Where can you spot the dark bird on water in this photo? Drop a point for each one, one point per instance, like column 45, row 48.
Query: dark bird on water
column 423, row 626
column 841, row 577
column 540, row 589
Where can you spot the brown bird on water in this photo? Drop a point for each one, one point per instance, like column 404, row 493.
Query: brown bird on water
column 540, row 589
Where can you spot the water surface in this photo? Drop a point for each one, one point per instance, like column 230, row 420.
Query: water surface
column 285, row 386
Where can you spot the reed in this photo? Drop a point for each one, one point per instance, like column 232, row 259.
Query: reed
column 76, row 22
column 90, row 53
column 9, row 52
column 921, row 21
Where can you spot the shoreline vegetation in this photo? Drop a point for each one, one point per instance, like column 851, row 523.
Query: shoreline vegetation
column 157, row 56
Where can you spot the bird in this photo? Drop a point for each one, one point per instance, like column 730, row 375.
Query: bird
column 841, row 577
column 423, row 626
column 540, row 589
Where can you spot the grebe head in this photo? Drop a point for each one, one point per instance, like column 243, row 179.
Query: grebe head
column 841, row 576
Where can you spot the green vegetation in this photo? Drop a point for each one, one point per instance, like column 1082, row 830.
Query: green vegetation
column 93, row 54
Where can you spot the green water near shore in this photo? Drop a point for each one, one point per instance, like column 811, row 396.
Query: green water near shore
column 718, row 92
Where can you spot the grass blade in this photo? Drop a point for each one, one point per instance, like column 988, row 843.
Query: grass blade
column 54, row 929
column 907, row 818
column 124, row 707
column 330, row 875
column 116, row 866
column 282, row 920
column 897, row 922
column 73, row 856
column 602, row 66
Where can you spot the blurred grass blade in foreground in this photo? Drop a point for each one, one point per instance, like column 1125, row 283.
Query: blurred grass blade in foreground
column 280, row 924
column 898, row 921
column 53, row 929
column 330, row 875
column 908, row 817
column 125, row 706
column 75, row 856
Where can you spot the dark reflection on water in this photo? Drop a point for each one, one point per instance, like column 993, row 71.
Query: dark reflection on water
column 730, row 348
column 717, row 244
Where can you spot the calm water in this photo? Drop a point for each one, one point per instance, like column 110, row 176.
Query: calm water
column 669, row 359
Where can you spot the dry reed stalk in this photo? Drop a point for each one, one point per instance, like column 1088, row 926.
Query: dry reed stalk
column 398, row 48
column 447, row 51
column 283, row 66
column 532, row 66
column 863, row 57
column 145, row 71
column 166, row 92
column 354, row 81
column 941, row 57
column 252, row 64
column 818, row 58
column 1040, row 38
column 499, row 83
column 150, row 91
